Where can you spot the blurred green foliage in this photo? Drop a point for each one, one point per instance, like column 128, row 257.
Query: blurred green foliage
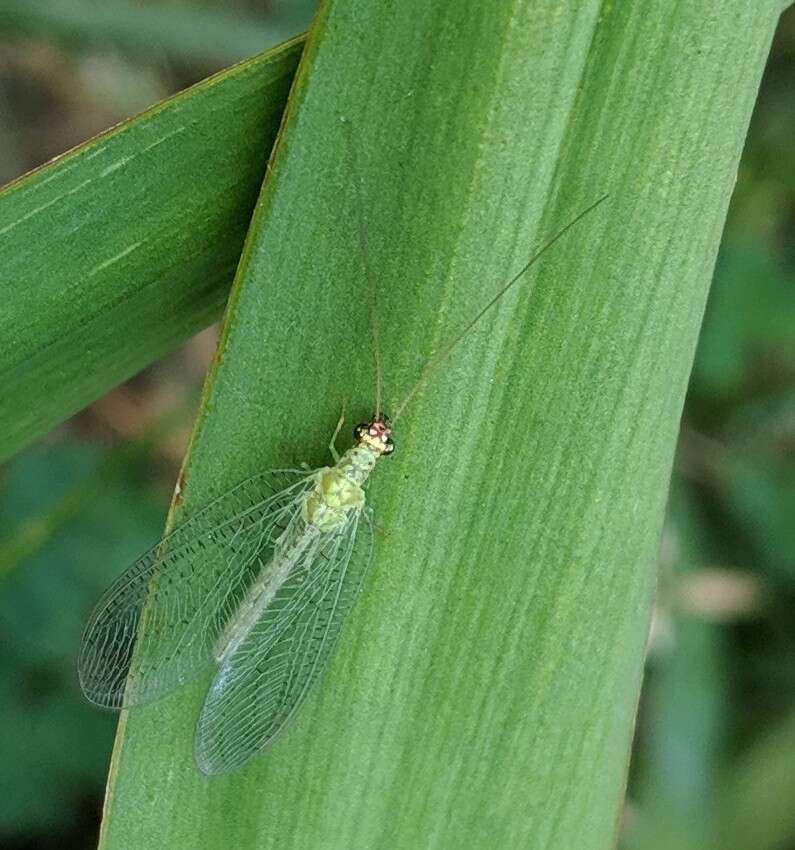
column 716, row 733
column 84, row 520
column 195, row 34
column 749, row 319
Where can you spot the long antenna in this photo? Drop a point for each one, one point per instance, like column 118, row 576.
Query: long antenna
column 368, row 271
column 448, row 349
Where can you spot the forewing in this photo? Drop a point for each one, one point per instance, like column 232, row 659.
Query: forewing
column 156, row 627
column 263, row 683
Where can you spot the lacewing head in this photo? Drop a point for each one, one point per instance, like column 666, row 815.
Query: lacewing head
column 376, row 435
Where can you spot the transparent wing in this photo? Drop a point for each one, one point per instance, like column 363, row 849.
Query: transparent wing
column 156, row 627
column 263, row 683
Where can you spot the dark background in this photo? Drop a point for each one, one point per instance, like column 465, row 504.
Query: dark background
column 715, row 745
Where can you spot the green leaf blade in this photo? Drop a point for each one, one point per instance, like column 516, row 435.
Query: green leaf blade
column 485, row 688
column 118, row 251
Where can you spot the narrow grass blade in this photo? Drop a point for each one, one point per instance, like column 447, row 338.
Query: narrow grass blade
column 118, row 251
